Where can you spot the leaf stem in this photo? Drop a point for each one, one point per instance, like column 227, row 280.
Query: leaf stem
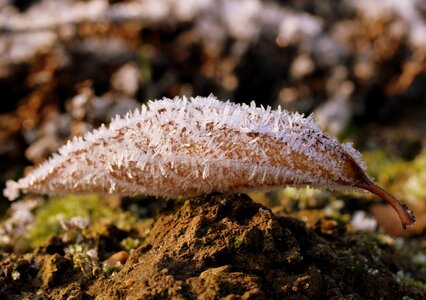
column 405, row 214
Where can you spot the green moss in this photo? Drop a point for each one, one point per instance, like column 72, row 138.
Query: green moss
column 88, row 266
column 111, row 271
column 130, row 244
column 405, row 179
column 144, row 63
column 48, row 217
column 406, row 280
column 238, row 241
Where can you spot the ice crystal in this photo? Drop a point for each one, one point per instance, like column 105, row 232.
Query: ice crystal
column 196, row 146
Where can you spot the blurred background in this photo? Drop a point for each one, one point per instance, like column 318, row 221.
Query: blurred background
column 67, row 66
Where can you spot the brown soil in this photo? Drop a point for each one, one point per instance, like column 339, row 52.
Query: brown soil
column 223, row 247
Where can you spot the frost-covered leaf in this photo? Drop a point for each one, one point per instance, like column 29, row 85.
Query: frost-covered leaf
column 197, row 146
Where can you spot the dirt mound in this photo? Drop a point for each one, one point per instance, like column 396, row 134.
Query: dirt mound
column 226, row 247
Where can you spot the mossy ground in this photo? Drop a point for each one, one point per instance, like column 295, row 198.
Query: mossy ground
column 211, row 247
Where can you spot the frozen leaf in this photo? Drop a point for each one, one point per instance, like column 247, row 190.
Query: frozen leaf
column 197, row 146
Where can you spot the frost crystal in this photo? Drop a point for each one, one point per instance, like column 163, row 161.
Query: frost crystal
column 195, row 146
column 200, row 145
